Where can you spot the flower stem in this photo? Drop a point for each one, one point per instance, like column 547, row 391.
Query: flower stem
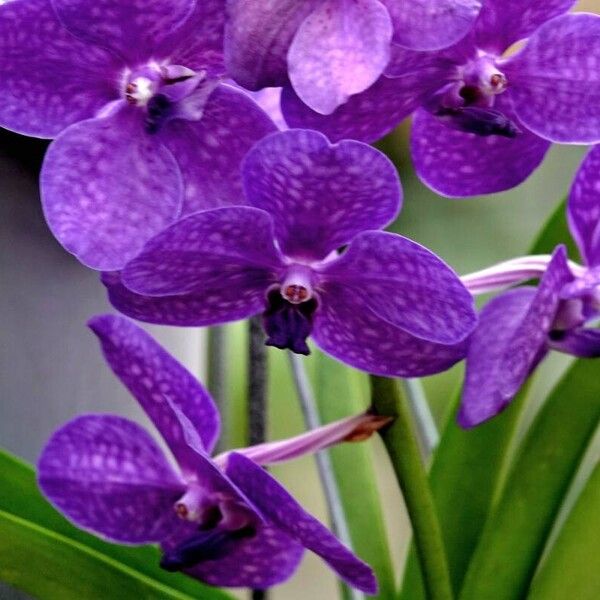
column 216, row 372
column 326, row 474
column 257, row 397
column 428, row 434
column 257, row 383
column 403, row 449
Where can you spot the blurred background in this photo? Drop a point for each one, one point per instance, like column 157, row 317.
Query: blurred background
column 51, row 368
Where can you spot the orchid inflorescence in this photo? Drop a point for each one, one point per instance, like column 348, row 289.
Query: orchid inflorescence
column 167, row 177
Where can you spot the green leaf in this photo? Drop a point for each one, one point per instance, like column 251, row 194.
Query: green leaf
column 466, row 472
column 338, row 390
column 20, row 497
column 515, row 533
column 51, row 566
column 571, row 568
column 555, row 232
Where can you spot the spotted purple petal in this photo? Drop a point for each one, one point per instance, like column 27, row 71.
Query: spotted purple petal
column 48, row 79
column 431, row 24
column 125, row 188
column 209, row 151
column 584, row 343
column 458, row 164
column 131, row 29
column 198, row 42
column 215, row 305
column 347, row 329
column 208, row 252
column 555, row 80
column 371, row 114
column 320, row 195
column 108, row 475
column 501, row 23
column 583, row 209
column 532, row 333
column 158, row 381
column 284, row 512
column 584, row 285
column 257, row 38
column 266, row 559
column 407, row 285
column 510, row 340
column 340, row 49
column 498, row 323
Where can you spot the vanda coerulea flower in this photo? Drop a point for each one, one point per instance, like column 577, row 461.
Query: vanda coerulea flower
column 328, row 50
column 146, row 133
column 385, row 304
column 223, row 520
column 518, row 328
column 484, row 117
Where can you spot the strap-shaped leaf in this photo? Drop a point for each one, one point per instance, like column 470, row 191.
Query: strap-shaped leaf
column 20, row 497
column 571, row 568
column 514, row 536
column 49, row 565
column 466, row 473
column 339, row 393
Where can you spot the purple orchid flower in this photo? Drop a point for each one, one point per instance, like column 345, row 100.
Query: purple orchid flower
column 518, row 328
column 484, row 118
column 225, row 520
column 386, row 305
column 329, row 50
column 144, row 131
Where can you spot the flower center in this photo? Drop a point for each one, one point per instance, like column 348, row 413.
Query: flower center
column 141, row 84
column 165, row 92
column 204, row 545
column 221, row 522
column 287, row 319
column 468, row 103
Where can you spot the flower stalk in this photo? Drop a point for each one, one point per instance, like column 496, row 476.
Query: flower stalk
column 308, row 406
column 216, row 368
column 403, row 449
column 257, row 398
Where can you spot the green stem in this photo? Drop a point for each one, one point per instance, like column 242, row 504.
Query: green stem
column 403, row 449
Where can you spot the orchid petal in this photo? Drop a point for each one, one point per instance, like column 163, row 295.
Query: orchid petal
column 215, row 305
column 584, row 285
column 107, row 475
column 131, row 29
column 346, row 328
column 320, row 196
column 501, row 23
column 207, row 252
column 125, row 188
column 555, row 80
column 458, row 164
column 209, row 151
column 368, row 116
column 257, row 39
column 284, row 512
column 584, row 343
column 261, row 561
column 159, row 383
column 583, row 208
column 339, row 50
column 405, row 284
column 498, row 322
column 532, row 333
column 431, row 24
column 510, row 340
column 48, row 79
column 198, row 42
